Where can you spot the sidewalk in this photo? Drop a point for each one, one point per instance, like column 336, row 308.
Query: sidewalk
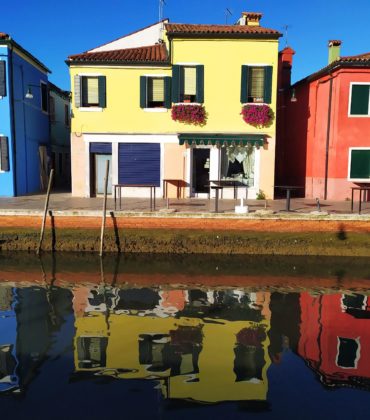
column 65, row 203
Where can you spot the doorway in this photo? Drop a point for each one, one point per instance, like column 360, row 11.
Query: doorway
column 201, row 166
column 98, row 162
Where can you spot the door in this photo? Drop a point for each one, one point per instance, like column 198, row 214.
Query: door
column 201, row 165
column 100, row 167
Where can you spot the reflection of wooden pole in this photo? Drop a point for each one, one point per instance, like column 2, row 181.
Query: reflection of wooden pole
column 45, row 210
column 104, row 208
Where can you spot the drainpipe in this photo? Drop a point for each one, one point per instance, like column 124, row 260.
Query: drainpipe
column 328, row 137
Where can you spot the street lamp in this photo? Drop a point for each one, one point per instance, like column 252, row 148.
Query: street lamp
column 29, row 94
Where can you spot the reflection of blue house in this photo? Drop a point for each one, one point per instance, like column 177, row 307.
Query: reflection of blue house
column 24, row 120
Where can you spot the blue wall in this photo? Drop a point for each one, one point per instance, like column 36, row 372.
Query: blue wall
column 31, row 128
column 6, row 178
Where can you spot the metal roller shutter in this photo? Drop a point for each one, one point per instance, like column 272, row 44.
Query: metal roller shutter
column 101, row 148
column 139, row 163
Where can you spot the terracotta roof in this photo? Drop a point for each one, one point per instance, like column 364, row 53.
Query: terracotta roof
column 151, row 54
column 361, row 60
column 3, row 35
column 174, row 29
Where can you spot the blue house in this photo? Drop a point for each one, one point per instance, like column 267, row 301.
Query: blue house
column 24, row 120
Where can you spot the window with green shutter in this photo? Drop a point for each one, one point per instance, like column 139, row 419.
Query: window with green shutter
column 90, row 91
column 360, row 99
column 256, row 84
column 188, row 84
column 155, row 92
column 359, row 168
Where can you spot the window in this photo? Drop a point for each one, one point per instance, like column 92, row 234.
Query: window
column 237, row 164
column 89, row 91
column 2, row 79
column 4, row 154
column 359, row 165
column 155, row 92
column 67, row 121
column 52, row 108
column 256, row 84
column 44, row 97
column 359, row 104
column 188, row 83
column 348, row 352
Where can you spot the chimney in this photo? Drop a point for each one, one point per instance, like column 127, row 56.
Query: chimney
column 334, row 50
column 285, row 67
column 250, row 19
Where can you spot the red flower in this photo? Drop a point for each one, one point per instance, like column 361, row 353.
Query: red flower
column 189, row 114
column 257, row 115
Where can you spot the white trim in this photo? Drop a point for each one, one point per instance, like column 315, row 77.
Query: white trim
column 131, row 138
column 115, row 168
column 89, row 109
column 187, row 64
column 156, row 75
column 101, row 66
column 188, row 103
column 365, row 180
column 87, row 172
column 90, row 74
column 256, row 64
column 159, row 110
column 350, row 101
column 255, row 103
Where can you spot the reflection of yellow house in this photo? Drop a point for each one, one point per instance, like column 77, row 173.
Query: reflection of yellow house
column 193, row 358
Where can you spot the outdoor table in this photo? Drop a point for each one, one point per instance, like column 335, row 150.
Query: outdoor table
column 177, row 182
column 217, row 188
column 120, row 186
column 227, row 183
column 288, row 189
column 360, row 189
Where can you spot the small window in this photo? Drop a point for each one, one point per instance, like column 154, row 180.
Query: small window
column 359, row 165
column 155, row 92
column 44, row 97
column 90, row 91
column 2, row 79
column 66, row 116
column 360, row 100
column 256, row 84
column 348, row 352
column 189, row 93
column 188, row 83
column 4, row 154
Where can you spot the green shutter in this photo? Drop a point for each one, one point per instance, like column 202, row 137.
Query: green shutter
column 143, row 91
column 200, row 84
column 176, row 83
column 167, row 92
column 244, row 85
column 102, row 92
column 4, row 148
column 2, row 79
column 267, row 85
column 77, row 91
column 360, row 100
column 360, row 164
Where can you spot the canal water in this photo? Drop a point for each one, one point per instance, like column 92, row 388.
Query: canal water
column 159, row 337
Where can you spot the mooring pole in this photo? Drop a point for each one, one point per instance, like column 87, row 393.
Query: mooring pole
column 104, row 208
column 45, row 211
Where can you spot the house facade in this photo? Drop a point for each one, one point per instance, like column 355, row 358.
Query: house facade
column 24, row 120
column 323, row 140
column 60, row 135
column 165, row 103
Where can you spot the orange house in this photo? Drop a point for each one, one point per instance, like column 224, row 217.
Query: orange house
column 323, row 140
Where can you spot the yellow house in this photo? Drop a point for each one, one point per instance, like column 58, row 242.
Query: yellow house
column 199, row 357
column 164, row 104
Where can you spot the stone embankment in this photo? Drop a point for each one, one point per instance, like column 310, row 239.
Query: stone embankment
column 182, row 234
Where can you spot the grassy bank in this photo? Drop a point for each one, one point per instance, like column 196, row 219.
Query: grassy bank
column 190, row 241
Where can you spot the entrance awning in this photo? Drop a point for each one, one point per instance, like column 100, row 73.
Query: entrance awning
column 222, row 139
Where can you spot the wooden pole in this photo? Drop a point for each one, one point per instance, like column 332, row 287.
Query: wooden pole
column 45, row 211
column 104, row 208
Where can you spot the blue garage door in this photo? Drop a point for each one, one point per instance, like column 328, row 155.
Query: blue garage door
column 139, row 163
column 105, row 148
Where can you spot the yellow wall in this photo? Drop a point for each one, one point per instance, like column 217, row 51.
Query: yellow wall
column 222, row 60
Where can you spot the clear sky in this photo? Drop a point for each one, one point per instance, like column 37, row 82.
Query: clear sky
column 52, row 30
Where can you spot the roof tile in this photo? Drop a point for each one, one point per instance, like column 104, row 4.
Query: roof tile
column 182, row 28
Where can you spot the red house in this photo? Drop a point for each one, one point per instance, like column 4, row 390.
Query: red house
column 323, row 132
column 335, row 338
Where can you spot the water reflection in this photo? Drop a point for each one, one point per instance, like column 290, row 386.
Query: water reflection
column 203, row 344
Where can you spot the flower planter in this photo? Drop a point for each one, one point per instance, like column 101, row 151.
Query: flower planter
column 189, row 114
column 257, row 115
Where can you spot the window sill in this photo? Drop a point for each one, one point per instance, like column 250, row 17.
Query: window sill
column 255, row 103
column 188, row 103
column 155, row 109
column 359, row 116
column 90, row 109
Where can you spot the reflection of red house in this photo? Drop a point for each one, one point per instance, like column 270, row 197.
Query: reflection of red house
column 323, row 140
column 335, row 338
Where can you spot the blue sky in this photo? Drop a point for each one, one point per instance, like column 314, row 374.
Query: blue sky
column 52, row 30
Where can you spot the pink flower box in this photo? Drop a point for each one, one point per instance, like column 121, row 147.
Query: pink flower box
column 257, row 115
column 189, row 114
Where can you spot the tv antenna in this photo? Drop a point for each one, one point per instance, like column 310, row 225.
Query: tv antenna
column 228, row 13
column 286, row 27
